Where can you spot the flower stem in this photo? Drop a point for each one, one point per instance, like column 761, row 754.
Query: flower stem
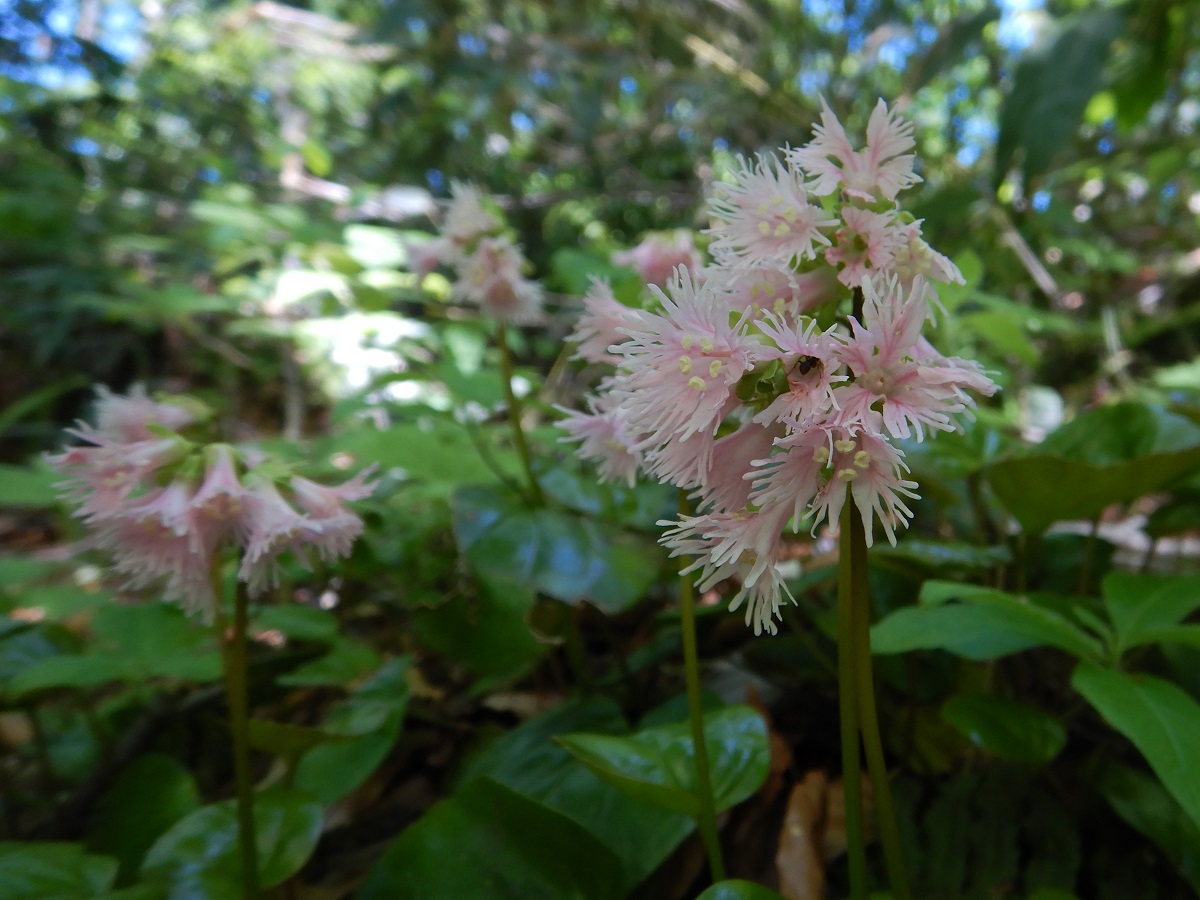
column 706, row 820
column 234, row 657
column 856, row 845
column 881, row 788
column 514, row 415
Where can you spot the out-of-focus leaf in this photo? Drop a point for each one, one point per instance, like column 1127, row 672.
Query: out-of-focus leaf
column 1160, row 719
column 347, row 661
column 199, row 855
column 295, row 621
column 1007, row 728
column 737, row 889
column 1142, row 801
column 562, row 555
column 656, row 765
column 35, row 871
column 151, row 794
column 1145, row 607
column 953, row 39
column 24, row 487
column 941, row 555
column 363, row 731
column 1052, row 85
column 374, row 247
column 488, row 841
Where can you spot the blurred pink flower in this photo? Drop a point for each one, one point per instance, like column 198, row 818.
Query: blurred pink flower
column 659, row 254
column 598, row 327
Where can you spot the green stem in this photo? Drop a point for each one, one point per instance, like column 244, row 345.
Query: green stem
column 706, row 820
column 856, row 845
column 881, row 788
column 234, row 657
column 514, row 416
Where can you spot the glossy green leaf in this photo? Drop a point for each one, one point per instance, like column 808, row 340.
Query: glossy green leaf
column 36, row 871
column 559, row 554
column 985, row 625
column 1007, row 728
column 151, row 794
column 737, row 889
column 656, row 765
column 488, row 841
column 1144, row 608
column 1141, row 800
column 529, row 761
column 199, row 857
column 1161, row 720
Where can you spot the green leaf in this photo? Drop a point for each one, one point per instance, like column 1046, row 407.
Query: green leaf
column 35, row 871
column 287, row 740
column 561, row 555
column 68, row 671
column 528, row 761
column 1007, row 728
column 656, row 765
column 1145, row 607
column 1041, row 490
column 985, row 625
column 157, row 640
column 1141, row 801
column 364, row 730
column 941, row 555
column 23, row 487
column 199, row 855
column 375, row 247
column 346, row 661
column 150, row 795
column 299, row 622
column 737, row 889
column 488, row 841
column 1161, row 720
column 1051, row 88
column 488, row 634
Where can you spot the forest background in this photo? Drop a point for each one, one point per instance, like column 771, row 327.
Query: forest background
column 221, row 199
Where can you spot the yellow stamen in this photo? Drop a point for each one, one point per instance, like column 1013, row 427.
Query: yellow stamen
column 696, row 383
column 714, row 368
column 862, row 459
column 846, row 475
column 685, row 365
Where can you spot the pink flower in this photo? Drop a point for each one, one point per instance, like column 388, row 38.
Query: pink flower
column 467, row 219
column 780, row 289
column 810, row 360
column 873, row 472
column 272, row 526
column 680, row 366
column 334, row 528
column 764, row 216
column 884, row 354
column 657, row 256
column 882, row 170
column 102, row 478
column 726, row 487
column 153, row 537
column 492, row 277
column 425, row 257
column 125, row 419
column 866, row 239
column 598, row 327
column 741, row 545
column 604, row 438
column 915, row 258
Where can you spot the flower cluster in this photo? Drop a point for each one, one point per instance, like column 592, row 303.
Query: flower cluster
column 164, row 506
column 750, row 387
column 489, row 267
